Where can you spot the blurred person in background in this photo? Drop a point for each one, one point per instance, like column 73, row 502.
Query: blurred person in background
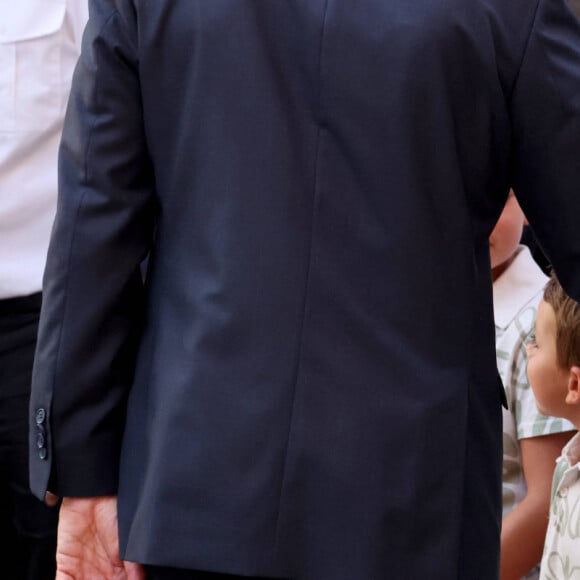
column 554, row 373
column 39, row 45
column 531, row 441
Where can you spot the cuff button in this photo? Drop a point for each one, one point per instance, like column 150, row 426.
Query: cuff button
column 40, row 440
column 40, row 416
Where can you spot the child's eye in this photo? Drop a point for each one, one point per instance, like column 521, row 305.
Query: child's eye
column 532, row 340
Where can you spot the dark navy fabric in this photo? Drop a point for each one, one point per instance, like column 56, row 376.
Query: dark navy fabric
column 304, row 386
column 161, row 573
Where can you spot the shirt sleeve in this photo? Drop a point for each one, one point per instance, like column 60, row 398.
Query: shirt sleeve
column 78, row 11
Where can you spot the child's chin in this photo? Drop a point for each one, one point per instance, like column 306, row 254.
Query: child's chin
column 547, row 412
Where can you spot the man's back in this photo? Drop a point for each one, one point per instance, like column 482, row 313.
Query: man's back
column 314, row 394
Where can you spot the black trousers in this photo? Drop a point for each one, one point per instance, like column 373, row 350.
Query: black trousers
column 27, row 526
column 158, row 573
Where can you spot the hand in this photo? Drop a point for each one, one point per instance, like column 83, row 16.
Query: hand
column 88, row 542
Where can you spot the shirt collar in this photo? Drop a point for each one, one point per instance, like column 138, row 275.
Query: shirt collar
column 571, row 451
column 519, row 284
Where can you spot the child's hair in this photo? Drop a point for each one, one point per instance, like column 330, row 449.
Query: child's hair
column 567, row 313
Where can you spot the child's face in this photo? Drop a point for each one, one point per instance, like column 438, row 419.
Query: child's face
column 549, row 381
column 507, row 233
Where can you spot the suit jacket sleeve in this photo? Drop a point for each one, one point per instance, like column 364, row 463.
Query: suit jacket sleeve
column 93, row 291
column 546, row 137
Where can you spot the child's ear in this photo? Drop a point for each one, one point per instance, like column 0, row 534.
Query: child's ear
column 573, row 396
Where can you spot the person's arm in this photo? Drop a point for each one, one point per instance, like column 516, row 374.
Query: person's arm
column 545, row 115
column 93, row 303
column 88, row 544
column 524, row 528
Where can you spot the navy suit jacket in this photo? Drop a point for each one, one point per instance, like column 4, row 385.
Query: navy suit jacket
column 305, row 384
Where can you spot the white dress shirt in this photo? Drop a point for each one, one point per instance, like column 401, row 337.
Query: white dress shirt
column 561, row 559
column 39, row 45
